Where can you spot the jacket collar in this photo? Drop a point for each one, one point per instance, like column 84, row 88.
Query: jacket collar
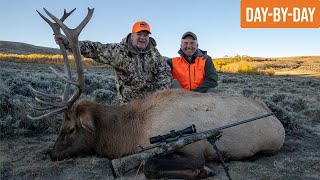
column 198, row 53
column 134, row 50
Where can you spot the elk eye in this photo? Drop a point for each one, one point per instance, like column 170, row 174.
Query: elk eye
column 71, row 130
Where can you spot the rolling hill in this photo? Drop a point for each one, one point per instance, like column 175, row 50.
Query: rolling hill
column 9, row 47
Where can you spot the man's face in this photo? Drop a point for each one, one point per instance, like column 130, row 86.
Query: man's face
column 189, row 46
column 140, row 39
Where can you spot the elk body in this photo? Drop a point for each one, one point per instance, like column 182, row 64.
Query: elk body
column 113, row 132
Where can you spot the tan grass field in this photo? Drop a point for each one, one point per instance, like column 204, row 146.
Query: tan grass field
column 296, row 65
column 299, row 65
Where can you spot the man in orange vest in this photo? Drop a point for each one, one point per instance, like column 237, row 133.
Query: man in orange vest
column 194, row 69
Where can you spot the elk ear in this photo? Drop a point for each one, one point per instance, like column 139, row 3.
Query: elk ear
column 87, row 122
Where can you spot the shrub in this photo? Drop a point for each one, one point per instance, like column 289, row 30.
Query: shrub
column 287, row 118
column 270, row 72
column 105, row 96
column 237, row 64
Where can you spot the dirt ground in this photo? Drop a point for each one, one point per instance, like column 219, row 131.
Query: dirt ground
column 294, row 100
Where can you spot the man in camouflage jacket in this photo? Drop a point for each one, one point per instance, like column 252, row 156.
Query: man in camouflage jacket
column 139, row 66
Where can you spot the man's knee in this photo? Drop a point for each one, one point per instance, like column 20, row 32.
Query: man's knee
column 212, row 90
column 175, row 84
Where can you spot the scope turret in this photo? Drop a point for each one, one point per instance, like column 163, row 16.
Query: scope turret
column 189, row 130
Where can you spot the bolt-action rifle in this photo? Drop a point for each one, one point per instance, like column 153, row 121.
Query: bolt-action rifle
column 169, row 142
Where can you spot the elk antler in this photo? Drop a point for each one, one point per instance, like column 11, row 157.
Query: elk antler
column 72, row 36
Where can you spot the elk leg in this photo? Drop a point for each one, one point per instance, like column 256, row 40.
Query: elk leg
column 174, row 165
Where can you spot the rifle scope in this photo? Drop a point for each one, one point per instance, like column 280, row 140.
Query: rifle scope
column 189, row 130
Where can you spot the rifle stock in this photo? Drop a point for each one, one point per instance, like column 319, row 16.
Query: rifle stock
column 127, row 163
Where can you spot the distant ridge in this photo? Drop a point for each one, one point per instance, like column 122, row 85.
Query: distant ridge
column 9, row 47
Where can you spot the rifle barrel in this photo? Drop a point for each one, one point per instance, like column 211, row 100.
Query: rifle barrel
column 245, row 121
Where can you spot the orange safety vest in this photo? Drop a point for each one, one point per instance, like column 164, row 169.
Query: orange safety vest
column 190, row 76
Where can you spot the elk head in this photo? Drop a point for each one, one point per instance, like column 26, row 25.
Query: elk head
column 76, row 133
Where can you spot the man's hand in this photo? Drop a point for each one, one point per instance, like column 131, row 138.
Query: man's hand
column 62, row 38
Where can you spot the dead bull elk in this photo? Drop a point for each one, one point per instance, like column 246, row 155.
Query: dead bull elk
column 114, row 132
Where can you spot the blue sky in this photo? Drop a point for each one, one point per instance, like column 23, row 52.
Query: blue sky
column 216, row 23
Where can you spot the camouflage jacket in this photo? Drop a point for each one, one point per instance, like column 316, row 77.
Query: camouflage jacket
column 137, row 73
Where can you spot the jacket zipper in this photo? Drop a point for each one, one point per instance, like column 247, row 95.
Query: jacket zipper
column 189, row 68
column 194, row 71
column 190, row 76
column 136, row 64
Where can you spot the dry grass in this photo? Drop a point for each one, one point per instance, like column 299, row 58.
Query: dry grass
column 56, row 59
column 300, row 65
column 4, row 87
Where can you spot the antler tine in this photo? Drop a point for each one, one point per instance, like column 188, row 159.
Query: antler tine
column 63, row 104
column 56, row 29
column 72, row 32
column 48, row 21
column 69, row 33
column 66, row 92
column 65, row 14
column 85, row 21
column 60, row 23
column 40, row 108
column 72, row 35
column 55, row 26
column 43, row 94
column 73, row 41
column 48, row 114
column 62, row 77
